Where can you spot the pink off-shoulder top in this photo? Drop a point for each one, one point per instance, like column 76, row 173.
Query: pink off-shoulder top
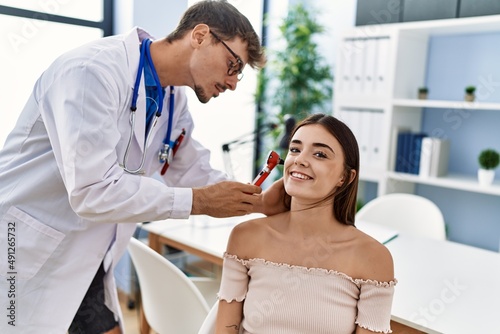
column 288, row 299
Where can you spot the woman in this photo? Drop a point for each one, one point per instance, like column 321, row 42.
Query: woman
column 309, row 270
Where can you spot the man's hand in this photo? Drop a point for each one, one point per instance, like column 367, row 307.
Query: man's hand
column 226, row 199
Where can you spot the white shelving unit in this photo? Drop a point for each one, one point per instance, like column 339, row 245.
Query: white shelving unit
column 389, row 83
column 445, row 104
column 451, row 181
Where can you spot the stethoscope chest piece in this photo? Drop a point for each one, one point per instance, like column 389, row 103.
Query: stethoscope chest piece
column 165, row 154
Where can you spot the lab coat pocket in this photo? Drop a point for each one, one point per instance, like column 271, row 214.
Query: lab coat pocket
column 25, row 244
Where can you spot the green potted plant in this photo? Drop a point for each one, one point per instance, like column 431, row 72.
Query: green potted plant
column 422, row 93
column 297, row 81
column 305, row 80
column 488, row 160
column 469, row 93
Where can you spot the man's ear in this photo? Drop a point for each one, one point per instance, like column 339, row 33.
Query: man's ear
column 200, row 33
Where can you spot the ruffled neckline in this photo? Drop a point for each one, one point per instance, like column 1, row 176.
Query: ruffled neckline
column 308, row 270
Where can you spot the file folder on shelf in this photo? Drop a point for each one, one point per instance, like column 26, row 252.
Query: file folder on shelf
column 408, row 152
column 435, row 154
column 367, row 126
column 376, row 131
column 382, row 67
column 370, row 64
column 357, row 67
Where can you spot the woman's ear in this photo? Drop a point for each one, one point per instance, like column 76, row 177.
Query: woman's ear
column 351, row 175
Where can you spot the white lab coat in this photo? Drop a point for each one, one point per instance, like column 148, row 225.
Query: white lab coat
column 63, row 192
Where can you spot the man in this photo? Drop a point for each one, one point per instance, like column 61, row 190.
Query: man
column 77, row 165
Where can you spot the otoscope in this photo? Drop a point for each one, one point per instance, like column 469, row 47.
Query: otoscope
column 273, row 159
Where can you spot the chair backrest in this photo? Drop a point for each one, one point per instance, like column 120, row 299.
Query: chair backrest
column 208, row 326
column 405, row 213
column 170, row 300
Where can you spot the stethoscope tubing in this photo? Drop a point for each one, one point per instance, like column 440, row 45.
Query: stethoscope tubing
column 127, row 150
column 145, row 53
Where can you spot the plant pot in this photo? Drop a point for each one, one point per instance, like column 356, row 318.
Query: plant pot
column 485, row 176
column 469, row 97
column 422, row 96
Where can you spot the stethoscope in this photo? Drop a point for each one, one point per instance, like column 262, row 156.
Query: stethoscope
column 151, row 119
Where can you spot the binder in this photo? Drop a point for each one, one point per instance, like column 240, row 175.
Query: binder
column 375, row 142
column 415, row 154
column 357, row 66
column 426, row 153
column 364, row 136
column 366, row 125
column 434, row 157
column 408, row 152
column 370, row 58
column 440, row 157
column 402, row 152
column 382, row 66
column 343, row 68
column 352, row 119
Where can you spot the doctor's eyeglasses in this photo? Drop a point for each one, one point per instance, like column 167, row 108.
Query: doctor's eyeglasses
column 234, row 68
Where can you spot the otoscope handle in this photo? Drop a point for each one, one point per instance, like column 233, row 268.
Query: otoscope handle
column 273, row 159
column 263, row 174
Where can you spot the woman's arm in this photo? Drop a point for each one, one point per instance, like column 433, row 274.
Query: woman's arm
column 234, row 282
column 229, row 317
column 377, row 289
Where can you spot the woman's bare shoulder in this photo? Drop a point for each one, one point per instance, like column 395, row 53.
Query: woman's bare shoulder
column 247, row 236
column 375, row 259
column 251, row 227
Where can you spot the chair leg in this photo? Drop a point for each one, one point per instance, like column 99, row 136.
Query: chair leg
column 144, row 327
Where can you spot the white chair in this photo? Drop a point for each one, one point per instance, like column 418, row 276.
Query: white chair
column 208, row 326
column 406, row 213
column 171, row 301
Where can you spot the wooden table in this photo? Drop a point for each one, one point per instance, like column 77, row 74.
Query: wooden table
column 202, row 236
